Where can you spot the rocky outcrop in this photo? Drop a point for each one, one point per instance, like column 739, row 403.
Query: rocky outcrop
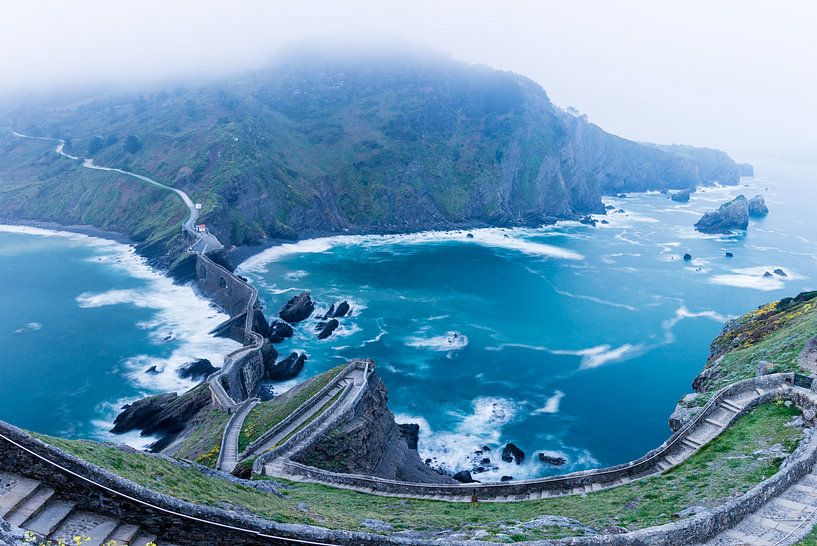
column 325, row 329
column 511, row 453
column 368, row 441
column 464, row 476
column 555, row 460
column 10, row 536
column 410, row 433
column 163, row 415
column 286, row 368
column 729, row 216
column 268, row 355
column 298, row 308
column 757, row 207
column 197, row 369
column 279, row 330
column 681, row 196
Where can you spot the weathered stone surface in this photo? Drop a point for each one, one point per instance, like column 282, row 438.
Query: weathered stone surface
column 707, row 374
column 757, row 207
column 681, row 196
column 464, row 476
column 687, row 257
column 298, row 308
column 163, row 415
column 681, row 416
column 342, row 310
column 552, row 459
column 511, row 453
column 197, row 369
column 410, row 432
column 325, row 329
column 286, row 368
column 269, row 356
column 279, row 330
column 729, row 216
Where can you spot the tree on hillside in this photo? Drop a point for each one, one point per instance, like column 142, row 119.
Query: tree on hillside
column 94, row 145
column 132, row 144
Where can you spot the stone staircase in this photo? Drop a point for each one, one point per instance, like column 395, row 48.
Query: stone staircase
column 32, row 506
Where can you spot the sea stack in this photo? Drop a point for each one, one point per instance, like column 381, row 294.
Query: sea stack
column 729, row 216
column 757, row 207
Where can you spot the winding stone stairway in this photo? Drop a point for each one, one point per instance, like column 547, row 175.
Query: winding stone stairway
column 228, row 456
column 32, row 506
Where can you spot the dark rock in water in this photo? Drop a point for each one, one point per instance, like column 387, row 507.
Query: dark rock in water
column 152, row 370
column 745, row 169
column 506, row 478
column 427, row 461
column 464, row 476
column 605, row 222
column 330, row 313
column 268, row 355
column 410, row 432
column 664, row 191
column 485, row 449
column 588, row 221
column 469, row 236
column 687, row 257
column 298, row 308
column 767, row 275
column 162, row 415
column 326, row 328
column 620, row 211
column 681, row 196
column 266, row 392
column 550, row 459
column 609, row 207
column 485, row 460
column 729, row 216
column 279, row 331
column 259, row 323
column 198, row 369
column 780, row 272
column 169, row 337
column 730, row 255
column 621, row 195
column 511, row 453
column 342, row 310
column 757, row 207
column 287, row 368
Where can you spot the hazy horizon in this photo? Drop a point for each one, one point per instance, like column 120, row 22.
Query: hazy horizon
column 736, row 75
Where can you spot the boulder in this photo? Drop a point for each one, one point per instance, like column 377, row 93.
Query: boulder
column 464, row 476
column 730, row 255
column 506, row 478
column 342, row 310
column 259, row 323
column 279, row 331
column 681, row 196
column 757, row 207
column 325, row 329
column 198, row 369
column 469, row 236
column 731, row 215
column 410, row 432
column 287, row 368
column 684, row 412
column 587, row 220
column 153, row 370
column 268, row 354
column 552, row 459
column 329, row 313
column 298, row 308
column 707, row 374
column 780, row 272
column 511, row 453
column 687, row 257
column 767, row 275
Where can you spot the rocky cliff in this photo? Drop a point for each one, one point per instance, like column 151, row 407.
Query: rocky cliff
column 323, row 142
column 371, row 442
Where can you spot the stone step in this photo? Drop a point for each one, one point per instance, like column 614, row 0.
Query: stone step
column 730, row 405
column 50, row 517
column 31, row 506
column 759, row 391
column 15, row 494
column 124, row 533
column 662, row 465
column 100, row 534
column 143, row 539
column 714, row 422
column 691, row 442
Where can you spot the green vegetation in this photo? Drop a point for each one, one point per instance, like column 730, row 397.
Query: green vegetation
column 267, row 414
column 735, row 461
column 810, row 539
column 203, row 443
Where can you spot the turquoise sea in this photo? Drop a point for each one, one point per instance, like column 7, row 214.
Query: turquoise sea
column 569, row 339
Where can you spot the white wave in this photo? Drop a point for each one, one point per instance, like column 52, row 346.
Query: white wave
column 594, row 299
column 451, row 341
column 30, row 327
column 592, row 357
column 551, row 405
column 755, row 278
column 295, row 275
column 510, row 239
column 103, row 426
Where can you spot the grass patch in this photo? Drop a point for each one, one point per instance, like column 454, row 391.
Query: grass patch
column 203, row 443
column 267, row 414
column 730, row 464
column 311, row 418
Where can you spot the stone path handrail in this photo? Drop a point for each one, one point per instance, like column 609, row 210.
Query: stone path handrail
column 577, row 482
column 306, row 436
column 236, row 420
column 300, row 410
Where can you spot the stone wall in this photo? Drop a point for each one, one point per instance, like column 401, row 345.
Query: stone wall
column 240, row 376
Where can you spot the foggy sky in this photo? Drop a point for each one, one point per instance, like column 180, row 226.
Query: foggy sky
column 739, row 75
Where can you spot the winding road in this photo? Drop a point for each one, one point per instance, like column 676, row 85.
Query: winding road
column 205, row 241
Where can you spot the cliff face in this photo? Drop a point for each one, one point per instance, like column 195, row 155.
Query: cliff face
column 370, row 442
column 322, row 142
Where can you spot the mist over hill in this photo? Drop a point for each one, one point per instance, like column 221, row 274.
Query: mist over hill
column 323, row 141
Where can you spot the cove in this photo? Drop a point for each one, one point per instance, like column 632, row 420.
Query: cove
column 570, row 340
column 81, row 320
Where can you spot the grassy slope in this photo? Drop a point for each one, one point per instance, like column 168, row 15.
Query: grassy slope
column 729, row 464
column 203, row 444
column 268, row 414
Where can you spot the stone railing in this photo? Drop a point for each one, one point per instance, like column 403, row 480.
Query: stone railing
column 552, row 486
column 242, row 370
column 225, row 437
column 307, row 435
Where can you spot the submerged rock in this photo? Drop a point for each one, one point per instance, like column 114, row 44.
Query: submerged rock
column 757, row 207
column 681, row 196
column 326, row 328
column 298, row 308
column 731, row 215
column 511, row 453
column 198, row 369
column 279, row 331
column 287, row 368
